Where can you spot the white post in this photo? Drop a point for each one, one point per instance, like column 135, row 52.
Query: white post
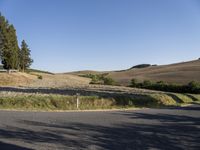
column 77, row 101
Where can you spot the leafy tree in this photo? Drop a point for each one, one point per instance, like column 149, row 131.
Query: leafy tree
column 25, row 56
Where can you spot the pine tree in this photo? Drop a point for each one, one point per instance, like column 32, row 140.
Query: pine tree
column 11, row 55
column 14, row 48
column 3, row 36
column 8, row 45
column 1, row 44
column 25, row 57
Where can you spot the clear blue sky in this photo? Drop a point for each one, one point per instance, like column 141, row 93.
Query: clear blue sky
column 68, row 35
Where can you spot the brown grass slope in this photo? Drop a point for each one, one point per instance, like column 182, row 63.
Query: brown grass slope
column 180, row 73
column 48, row 80
column 16, row 79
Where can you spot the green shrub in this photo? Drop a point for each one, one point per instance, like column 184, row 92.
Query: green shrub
column 108, row 81
column 101, row 79
column 40, row 77
column 147, row 83
column 194, row 87
column 134, row 83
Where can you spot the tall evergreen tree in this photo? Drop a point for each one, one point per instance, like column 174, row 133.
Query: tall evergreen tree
column 12, row 57
column 14, row 48
column 8, row 45
column 3, row 36
column 25, row 56
column 1, row 44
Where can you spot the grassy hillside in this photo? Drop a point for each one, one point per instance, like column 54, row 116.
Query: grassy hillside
column 16, row 79
column 180, row 73
column 41, row 79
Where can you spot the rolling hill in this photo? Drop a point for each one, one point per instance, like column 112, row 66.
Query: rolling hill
column 180, row 73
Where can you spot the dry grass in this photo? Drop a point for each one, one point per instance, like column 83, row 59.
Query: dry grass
column 180, row 73
column 97, row 96
column 59, row 81
column 34, row 101
column 48, row 80
column 16, row 79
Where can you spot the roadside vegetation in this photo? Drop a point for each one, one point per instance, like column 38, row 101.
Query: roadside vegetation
column 52, row 102
column 192, row 87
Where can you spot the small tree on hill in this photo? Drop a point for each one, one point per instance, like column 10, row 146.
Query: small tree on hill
column 25, row 56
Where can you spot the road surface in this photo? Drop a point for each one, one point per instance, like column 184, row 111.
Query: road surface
column 118, row 130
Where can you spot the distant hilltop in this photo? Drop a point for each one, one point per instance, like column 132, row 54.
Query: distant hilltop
column 180, row 73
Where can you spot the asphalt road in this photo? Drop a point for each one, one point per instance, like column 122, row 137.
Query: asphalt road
column 118, row 130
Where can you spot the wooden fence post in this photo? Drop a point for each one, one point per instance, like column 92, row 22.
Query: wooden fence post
column 77, row 100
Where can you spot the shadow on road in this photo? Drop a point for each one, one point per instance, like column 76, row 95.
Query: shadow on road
column 6, row 146
column 170, row 132
column 192, row 107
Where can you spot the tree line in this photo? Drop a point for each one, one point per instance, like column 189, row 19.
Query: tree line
column 192, row 87
column 11, row 55
column 101, row 79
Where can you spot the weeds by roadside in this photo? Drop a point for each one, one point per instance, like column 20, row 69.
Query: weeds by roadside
column 62, row 102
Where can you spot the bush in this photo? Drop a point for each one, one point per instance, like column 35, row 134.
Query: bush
column 134, row 83
column 194, row 87
column 147, row 83
column 96, row 79
column 101, row 79
column 40, row 77
column 109, row 81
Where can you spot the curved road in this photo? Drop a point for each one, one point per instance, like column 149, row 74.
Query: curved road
column 174, row 128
